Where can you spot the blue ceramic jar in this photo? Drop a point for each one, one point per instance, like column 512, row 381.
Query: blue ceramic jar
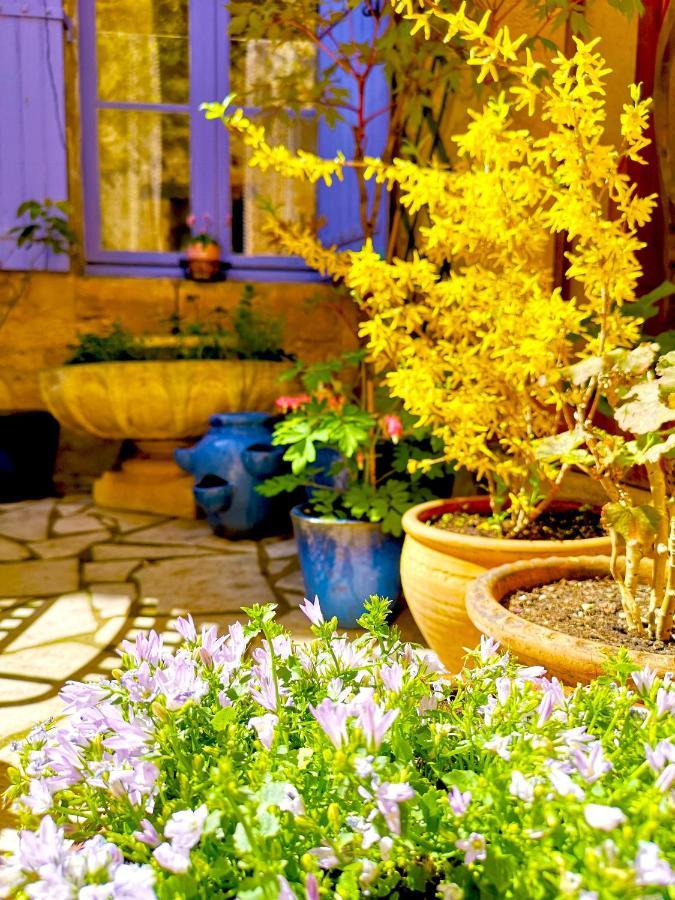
column 343, row 562
column 228, row 463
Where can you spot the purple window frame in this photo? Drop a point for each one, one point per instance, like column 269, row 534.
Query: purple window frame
column 209, row 155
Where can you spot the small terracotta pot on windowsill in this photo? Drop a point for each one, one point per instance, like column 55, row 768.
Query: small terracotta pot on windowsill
column 203, row 260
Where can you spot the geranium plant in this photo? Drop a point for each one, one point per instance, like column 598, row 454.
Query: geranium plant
column 200, row 231
column 470, row 330
column 250, row 766
column 348, row 446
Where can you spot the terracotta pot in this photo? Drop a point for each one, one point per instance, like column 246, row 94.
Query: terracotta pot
column 203, row 260
column 437, row 566
column 572, row 659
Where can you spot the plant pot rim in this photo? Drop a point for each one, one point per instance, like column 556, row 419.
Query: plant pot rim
column 415, row 519
column 71, row 367
column 486, row 611
column 297, row 513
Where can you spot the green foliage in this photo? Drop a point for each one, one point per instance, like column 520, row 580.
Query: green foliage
column 48, row 226
column 250, row 334
column 373, row 478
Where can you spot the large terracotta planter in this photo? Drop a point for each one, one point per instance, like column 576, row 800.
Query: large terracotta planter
column 158, row 404
column 437, row 566
column 572, row 659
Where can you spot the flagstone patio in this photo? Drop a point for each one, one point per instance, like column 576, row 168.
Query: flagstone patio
column 76, row 580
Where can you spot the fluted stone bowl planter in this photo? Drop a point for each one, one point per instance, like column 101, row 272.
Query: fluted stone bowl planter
column 158, row 404
column 572, row 659
column 437, row 567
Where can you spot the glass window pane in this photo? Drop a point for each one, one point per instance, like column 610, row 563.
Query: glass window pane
column 142, row 50
column 144, row 163
column 264, row 72
column 252, row 189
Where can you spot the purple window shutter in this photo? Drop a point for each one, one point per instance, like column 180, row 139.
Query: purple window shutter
column 339, row 204
column 33, row 163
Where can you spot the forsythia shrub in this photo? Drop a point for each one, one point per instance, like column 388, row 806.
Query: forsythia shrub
column 471, row 331
column 251, row 766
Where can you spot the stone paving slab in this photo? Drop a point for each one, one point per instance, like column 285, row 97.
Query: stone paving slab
column 27, row 523
column 64, row 547
column 115, row 570
column 175, row 531
column 211, row 584
column 125, row 521
column 39, row 577
column 11, row 550
column 78, row 524
column 145, row 551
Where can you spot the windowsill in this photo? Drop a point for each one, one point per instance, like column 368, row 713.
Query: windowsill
column 237, row 273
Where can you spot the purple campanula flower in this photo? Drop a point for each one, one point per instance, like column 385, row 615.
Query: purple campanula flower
column 658, row 756
column 665, row 702
column 474, row 848
column 651, row 868
column 603, row 818
column 643, row 680
column 325, row 856
column 184, row 828
column 521, row 787
column 179, row 683
column 285, row 890
column 332, row 717
column 576, row 737
column 39, row 797
column 459, row 802
column 185, row 627
column 389, row 797
column 133, row 882
column 504, row 686
column 78, row 695
column 147, row 834
column 312, row 611
column 488, row 648
column 264, row 727
column 392, row 677
column 499, row 744
column 553, row 697
column 311, row 887
column 292, row 801
column 487, row 711
column 137, row 780
column 149, row 646
column 172, row 859
column 666, row 778
column 531, row 673
column 593, row 764
column 374, row 722
column 562, row 783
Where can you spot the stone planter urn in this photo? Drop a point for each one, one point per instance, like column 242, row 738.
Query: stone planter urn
column 160, row 405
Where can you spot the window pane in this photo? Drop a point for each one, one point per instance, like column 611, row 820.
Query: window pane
column 142, row 49
column 144, row 161
column 292, row 199
column 264, row 72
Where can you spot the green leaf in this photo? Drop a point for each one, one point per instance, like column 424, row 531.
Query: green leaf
column 223, row 718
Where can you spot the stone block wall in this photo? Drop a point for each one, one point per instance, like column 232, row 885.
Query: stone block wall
column 41, row 315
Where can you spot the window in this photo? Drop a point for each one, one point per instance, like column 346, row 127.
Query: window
column 149, row 156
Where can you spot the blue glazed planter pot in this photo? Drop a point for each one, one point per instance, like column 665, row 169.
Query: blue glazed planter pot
column 228, row 463
column 343, row 562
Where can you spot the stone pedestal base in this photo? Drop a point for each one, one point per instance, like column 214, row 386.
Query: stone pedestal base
column 151, row 482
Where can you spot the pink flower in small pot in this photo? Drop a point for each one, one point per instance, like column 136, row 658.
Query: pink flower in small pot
column 393, row 427
column 289, row 403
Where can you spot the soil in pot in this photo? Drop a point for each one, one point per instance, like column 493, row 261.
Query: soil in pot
column 588, row 608
column 558, row 524
column 439, row 563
